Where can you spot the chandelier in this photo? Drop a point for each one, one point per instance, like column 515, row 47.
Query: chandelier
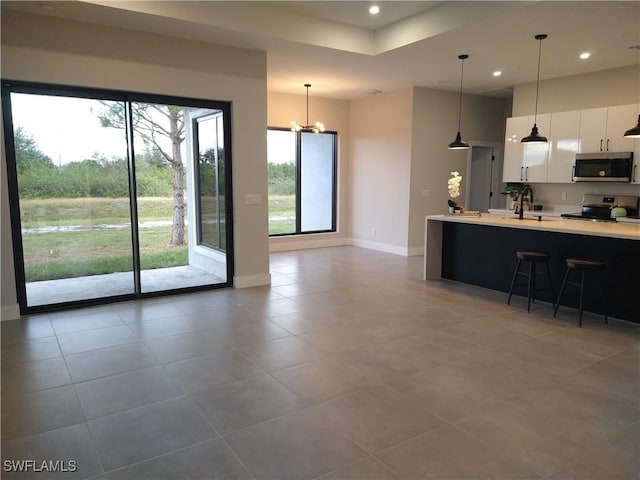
column 315, row 128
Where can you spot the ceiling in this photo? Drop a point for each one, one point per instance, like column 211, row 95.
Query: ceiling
column 346, row 53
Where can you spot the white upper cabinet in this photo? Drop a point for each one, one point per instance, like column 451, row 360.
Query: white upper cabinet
column 525, row 162
column 601, row 129
column 564, row 140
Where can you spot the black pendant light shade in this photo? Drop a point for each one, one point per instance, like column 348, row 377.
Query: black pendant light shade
column 458, row 143
column 534, row 136
column 633, row 132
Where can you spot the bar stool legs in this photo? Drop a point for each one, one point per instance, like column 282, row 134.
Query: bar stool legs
column 533, row 258
column 582, row 266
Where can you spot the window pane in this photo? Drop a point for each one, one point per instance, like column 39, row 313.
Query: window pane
column 211, row 178
column 316, row 193
column 73, row 188
column 281, row 172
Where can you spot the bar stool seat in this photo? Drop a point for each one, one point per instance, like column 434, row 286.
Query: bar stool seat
column 583, row 265
column 533, row 257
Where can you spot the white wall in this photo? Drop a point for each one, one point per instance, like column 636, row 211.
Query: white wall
column 620, row 86
column 380, row 153
column 282, row 109
column 43, row 49
column 435, row 123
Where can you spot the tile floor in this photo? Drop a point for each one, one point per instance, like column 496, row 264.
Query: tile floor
column 348, row 367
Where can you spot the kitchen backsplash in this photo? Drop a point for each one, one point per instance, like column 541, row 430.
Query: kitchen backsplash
column 550, row 195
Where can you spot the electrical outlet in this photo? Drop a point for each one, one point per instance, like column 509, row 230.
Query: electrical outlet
column 252, row 199
column 426, row 192
column 563, row 195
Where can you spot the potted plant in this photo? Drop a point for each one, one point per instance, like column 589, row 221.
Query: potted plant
column 453, row 185
column 514, row 190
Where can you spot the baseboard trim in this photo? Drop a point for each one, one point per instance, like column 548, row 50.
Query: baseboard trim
column 415, row 251
column 10, row 312
column 276, row 245
column 246, row 281
column 382, row 247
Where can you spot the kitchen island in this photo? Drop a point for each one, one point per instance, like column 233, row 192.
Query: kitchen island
column 481, row 251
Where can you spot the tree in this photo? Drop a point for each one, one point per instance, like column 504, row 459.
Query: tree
column 28, row 155
column 157, row 124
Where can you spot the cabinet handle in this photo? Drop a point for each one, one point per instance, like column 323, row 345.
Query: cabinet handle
column 635, row 167
column 526, row 174
column 601, row 145
column 521, row 168
column 573, row 173
column 607, row 144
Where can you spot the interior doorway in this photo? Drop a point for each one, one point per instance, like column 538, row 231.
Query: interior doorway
column 484, row 176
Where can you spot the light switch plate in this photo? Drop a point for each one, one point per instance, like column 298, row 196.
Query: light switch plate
column 252, row 199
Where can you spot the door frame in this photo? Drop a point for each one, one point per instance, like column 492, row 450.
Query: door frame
column 496, row 174
column 9, row 86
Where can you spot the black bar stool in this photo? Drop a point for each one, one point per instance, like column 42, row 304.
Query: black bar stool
column 583, row 265
column 533, row 257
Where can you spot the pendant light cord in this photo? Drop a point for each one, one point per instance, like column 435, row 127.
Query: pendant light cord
column 460, row 104
column 539, row 38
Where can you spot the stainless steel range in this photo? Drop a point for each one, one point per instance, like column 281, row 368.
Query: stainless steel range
column 598, row 207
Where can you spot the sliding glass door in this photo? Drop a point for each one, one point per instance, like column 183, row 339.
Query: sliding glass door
column 100, row 193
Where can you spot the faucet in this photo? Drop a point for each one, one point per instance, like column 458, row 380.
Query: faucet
column 526, row 189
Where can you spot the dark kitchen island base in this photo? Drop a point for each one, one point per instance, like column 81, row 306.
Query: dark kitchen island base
column 484, row 255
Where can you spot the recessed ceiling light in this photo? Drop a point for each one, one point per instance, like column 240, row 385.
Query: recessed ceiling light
column 374, row 91
column 585, row 55
column 497, row 73
column 374, row 9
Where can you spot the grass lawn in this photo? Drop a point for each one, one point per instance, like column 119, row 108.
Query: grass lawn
column 81, row 252
column 282, row 217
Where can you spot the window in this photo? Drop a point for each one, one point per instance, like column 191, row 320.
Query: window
column 302, row 182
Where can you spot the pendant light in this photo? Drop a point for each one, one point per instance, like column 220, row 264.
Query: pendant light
column 633, row 132
column 458, row 143
column 534, row 136
column 315, row 128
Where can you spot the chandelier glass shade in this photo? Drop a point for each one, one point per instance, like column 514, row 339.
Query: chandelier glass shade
column 315, row 128
column 534, row 136
column 458, row 143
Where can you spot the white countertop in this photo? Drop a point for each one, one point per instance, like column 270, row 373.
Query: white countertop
column 630, row 231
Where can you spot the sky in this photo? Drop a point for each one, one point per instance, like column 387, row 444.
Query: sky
column 66, row 129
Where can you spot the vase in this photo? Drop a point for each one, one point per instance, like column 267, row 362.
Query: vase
column 451, row 210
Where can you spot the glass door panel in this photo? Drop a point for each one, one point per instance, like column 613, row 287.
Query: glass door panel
column 281, row 175
column 73, row 193
column 169, row 259
column 316, row 182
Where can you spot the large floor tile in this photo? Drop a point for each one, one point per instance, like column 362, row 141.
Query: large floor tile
column 138, row 311
column 367, row 469
column 209, row 460
column 302, row 445
column 140, row 434
column 29, row 350
column 377, row 418
column 184, row 346
column 40, row 411
column 117, row 393
column 87, row 340
column 246, row 402
column 321, row 380
column 32, row 376
column 89, row 320
column 199, row 374
column 108, row 361
column 449, row 453
column 27, row 328
column 67, row 445
column 281, row 353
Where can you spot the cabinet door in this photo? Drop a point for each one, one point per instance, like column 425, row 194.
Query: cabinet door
column 564, row 141
column 513, row 163
column 536, row 155
column 593, row 130
column 620, row 119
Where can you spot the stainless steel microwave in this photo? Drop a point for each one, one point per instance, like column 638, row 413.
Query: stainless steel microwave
column 603, row 167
